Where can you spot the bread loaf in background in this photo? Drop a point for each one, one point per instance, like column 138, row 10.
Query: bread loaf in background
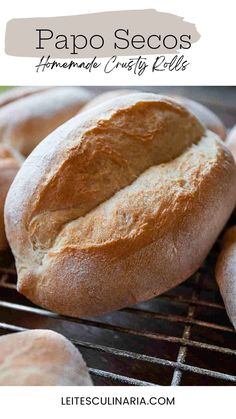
column 226, row 273
column 15, row 93
column 208, row 118
column 118, row 205
column 231, row 141
column 10, row 162
column 108, row 95
column 41, row 358
column 25, row 121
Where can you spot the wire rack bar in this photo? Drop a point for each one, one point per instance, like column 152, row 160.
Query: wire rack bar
column 179, row 365
column 114, row 328
column 119, row 378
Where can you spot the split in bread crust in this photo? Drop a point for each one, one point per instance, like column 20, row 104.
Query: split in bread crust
column 41, row 358
column 118, row 205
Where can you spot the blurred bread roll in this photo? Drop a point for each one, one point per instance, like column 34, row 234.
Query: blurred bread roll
column 15, row 93
column 108, row 95
column 226, row 273
column 27, row 120
column 41, row 358
column 208, row 118
column 231, row 141
column 10, row 162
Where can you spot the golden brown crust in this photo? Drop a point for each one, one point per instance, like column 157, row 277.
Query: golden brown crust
column 208, row 118
column 119, row 206
column 26, row 121
column 41, row 358
column 226, row 273
column 10, row 163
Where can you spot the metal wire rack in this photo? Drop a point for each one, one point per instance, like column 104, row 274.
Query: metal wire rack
column 182, row 337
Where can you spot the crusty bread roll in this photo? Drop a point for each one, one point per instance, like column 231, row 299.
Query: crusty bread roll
column 208, row 118
column 15, row 93
column 231, row 141
column 10, row 162
column 118, row 205
column 26, row 121
column 41, row 358
column 226, row 273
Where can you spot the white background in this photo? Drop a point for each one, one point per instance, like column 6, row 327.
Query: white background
column 190, row 403
column 212, row 57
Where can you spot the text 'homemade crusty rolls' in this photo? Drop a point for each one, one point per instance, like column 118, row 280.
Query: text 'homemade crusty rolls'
column 10, row 163
column 118, row 205
column 24, row 122
column 41, row 358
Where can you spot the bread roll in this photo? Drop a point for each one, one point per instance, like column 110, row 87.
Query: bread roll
column 10, row 163
column 118, row 205
column 26, row 121
column 15, row 93
column 108, row 95
column 208, row 118
column 41, row 358
column 231, row 141
column 226, row 273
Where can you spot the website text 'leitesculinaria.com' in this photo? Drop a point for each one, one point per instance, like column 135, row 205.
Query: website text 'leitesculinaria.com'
column 117, row 401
